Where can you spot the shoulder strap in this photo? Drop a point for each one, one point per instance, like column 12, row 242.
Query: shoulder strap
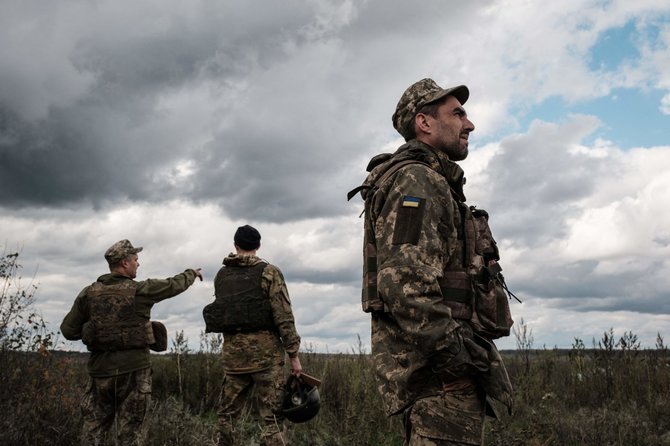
column 382, row 179
column 352, row 193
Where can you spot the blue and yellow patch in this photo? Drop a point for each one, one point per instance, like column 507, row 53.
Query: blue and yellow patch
column 410, row 202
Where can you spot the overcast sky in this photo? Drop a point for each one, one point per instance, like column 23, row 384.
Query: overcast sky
column 171, row 123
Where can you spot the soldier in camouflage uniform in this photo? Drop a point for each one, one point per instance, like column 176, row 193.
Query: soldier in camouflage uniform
column 432, row 366
column 111, row 317
column 253, row 311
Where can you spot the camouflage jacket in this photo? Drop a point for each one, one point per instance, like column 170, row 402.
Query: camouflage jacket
column 256, row 351
column 417, row 346
column 148, row 292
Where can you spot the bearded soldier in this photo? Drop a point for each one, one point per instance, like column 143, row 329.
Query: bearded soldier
column 432, row 282
column 111, row 317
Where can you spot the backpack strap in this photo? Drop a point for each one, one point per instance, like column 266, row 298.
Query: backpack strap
column 352, row 193
column 381, row 180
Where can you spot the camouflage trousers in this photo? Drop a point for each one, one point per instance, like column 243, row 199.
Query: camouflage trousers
column 451, row 418
column 113, row 409
column 236, row 394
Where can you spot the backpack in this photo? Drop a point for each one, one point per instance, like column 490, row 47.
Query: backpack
column 370, row 300
column 476, row 292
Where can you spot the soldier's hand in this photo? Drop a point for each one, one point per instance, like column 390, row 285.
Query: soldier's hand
column 296, row 368
column 198, row 273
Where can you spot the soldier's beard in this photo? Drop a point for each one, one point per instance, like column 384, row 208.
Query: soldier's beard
column 456, row 152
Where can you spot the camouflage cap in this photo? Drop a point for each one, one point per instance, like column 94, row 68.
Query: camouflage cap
column 416, row 96
column 120, row 250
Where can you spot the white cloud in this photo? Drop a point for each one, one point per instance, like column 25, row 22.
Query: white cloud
column 665, row 104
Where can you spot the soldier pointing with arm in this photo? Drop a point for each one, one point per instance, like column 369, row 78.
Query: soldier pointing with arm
column 111, row 316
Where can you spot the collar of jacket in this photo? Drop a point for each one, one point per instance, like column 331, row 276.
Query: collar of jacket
column 241, row 260
column 437, row 160
column 112, row 278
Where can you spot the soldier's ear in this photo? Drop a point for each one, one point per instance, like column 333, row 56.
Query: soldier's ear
column 422, row 123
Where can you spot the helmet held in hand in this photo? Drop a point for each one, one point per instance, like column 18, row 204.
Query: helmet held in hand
column 301, row 401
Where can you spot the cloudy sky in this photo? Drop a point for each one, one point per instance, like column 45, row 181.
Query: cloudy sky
column 171, row 123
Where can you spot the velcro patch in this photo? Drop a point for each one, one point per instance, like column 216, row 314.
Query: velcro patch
column 409, row 221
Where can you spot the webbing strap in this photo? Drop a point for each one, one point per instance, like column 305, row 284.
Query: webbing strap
column 457, row 295
column 353, row 192
column 391, row 170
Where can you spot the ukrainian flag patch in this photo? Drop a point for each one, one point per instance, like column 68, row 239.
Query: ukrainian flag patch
column 410, row 202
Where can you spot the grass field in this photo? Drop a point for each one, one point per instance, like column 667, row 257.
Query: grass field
column 613, row 393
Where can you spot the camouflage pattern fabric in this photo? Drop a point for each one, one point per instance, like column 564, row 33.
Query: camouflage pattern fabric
column 267, row 387
column 113, row 409
column 120, row 250
column 120, row 387
column 447, row 419
column 113, row 323
column 417, row 345
column 416, row 96
column 147, row 293
column 255, row 360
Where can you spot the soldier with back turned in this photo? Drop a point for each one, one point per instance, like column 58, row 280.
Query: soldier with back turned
column 111, row 316
column 253, row 311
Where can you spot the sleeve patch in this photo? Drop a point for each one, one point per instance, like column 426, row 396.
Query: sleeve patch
column 409, row 220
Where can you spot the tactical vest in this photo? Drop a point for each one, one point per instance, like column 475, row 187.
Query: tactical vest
column 113, row 322
column 240, row 304
column 473, row 288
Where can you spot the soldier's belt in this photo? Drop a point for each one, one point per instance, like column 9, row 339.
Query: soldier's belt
column 459, row 384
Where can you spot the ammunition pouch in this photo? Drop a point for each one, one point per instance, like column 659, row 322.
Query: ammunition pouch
column 158, row 337
column 479, row 299
column 476, row 293
column 214, row 316
column 120, row 336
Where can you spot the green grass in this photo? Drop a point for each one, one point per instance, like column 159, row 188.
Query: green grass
column 607, row 395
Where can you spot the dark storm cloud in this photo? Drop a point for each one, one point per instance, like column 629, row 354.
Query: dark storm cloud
column 291, row 101
column 269, row 177
column 109, row 144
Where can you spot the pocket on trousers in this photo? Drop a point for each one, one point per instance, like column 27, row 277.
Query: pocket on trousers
column 143, row 378
column 453, row 416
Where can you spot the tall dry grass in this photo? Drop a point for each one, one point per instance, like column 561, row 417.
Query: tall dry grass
column 614, row 393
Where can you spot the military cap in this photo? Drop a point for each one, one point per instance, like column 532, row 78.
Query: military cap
column 120, row 250
column 416, row 96
column 247, row 238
